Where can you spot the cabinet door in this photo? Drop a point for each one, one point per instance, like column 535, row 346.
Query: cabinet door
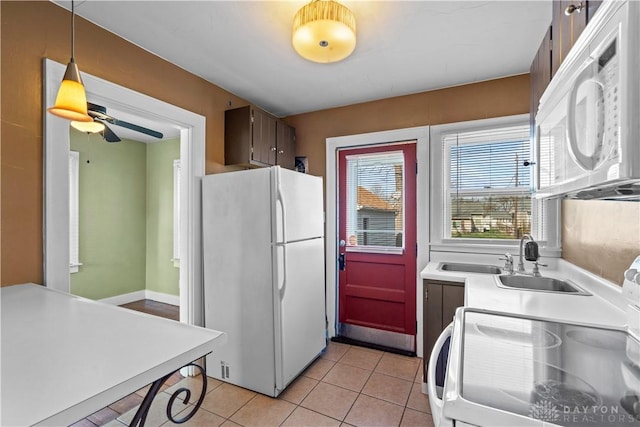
column 567, row 28
column 286, row 145
column 452, row 298
column 263, row 148
column 540, row 74
column 431, row 319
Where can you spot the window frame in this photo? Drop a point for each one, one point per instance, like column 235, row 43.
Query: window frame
column 548, row 238
column 74, row 211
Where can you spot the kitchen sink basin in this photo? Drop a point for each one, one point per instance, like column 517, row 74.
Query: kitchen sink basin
column 470, row 268
column 542, row 284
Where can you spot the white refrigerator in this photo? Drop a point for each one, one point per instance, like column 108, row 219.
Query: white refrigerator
column 264, row 282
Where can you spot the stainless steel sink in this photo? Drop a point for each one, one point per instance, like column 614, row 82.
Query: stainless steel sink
column 541, row 284
column 470, row 268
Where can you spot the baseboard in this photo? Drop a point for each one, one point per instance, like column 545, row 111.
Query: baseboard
column 125, row 298
column 165, row 298
column 140, row 295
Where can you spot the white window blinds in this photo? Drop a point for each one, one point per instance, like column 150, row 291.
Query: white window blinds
column 487, row 187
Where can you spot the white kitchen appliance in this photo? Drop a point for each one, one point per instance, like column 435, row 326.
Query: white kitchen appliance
column 510, row 370
column 587, row 127
column 264, row 275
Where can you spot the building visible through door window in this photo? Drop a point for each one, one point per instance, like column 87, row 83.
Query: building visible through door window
column 375, row 200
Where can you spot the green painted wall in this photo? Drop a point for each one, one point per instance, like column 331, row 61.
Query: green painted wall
column 126, row 217
column 112, row 217
column 161, row 276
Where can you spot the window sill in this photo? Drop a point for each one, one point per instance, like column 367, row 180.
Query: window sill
column 493, row 247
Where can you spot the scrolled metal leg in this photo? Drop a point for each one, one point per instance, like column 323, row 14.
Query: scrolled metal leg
column 175, row 394
column 141, row 415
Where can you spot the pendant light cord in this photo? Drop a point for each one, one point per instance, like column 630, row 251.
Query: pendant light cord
column 72, row 32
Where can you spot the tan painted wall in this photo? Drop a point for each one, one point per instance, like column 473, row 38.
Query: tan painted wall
column 601, row 236
column 31, row 31
column 494, row 98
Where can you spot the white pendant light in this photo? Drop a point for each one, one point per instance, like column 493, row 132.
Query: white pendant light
column 324, row 31
column 88, row 127
column 71, row 101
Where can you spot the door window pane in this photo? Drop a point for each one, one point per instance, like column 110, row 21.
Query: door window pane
column 375, row 200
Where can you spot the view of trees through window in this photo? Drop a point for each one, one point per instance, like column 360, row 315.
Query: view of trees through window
column 489, row 185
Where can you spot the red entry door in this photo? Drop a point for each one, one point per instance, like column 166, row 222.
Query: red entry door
column 377, row 253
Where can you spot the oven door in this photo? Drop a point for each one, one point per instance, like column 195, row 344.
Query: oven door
column 507, row 370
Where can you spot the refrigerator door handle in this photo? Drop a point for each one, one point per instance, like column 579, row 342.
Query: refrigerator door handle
column 282, row 285
column 283, row 205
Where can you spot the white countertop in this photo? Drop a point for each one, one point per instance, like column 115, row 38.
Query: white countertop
column 65, row 357
column 605, row 306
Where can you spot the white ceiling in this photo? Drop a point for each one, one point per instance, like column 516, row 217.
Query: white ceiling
column 403, row 47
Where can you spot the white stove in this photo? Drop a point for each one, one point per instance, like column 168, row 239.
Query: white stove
column 524, row 369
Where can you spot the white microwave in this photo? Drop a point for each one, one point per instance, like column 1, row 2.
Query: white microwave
column 588, row 124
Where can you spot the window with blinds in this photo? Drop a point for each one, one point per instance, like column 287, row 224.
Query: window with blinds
column 375, row 200
column 487, row 190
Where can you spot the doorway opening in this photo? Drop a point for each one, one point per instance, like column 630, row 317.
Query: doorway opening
column 191, row 130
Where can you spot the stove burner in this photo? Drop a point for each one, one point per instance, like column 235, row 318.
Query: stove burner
column 562, row 396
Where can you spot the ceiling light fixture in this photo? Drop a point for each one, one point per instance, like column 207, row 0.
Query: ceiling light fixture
column 88, row 127
column 324, row 31
column 71, row 101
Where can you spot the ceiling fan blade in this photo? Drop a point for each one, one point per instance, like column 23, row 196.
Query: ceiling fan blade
column 137, row 128
column 109, row 135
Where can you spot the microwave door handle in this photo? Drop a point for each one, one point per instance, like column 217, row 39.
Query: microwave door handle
column 585, row 162
column 431, row 373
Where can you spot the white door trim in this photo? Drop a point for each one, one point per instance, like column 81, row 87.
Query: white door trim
column 56, row 178
column 421, row 135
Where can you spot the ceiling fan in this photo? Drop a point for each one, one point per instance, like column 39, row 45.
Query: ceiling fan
column 99, row 114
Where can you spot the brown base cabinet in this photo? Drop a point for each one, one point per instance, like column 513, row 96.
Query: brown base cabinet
column 441, row 299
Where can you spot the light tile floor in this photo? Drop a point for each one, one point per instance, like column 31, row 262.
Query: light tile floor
column 346, row 386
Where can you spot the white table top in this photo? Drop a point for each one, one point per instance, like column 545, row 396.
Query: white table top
column 65, row 357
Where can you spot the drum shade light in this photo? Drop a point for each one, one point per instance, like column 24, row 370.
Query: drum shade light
column 71, row 101
column 324, row 31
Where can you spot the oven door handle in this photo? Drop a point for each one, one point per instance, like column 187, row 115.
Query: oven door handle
column 431, row 373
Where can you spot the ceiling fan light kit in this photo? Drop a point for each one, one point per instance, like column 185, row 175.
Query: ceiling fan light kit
column 324, row 31
column 71, row 101
column 88, row 127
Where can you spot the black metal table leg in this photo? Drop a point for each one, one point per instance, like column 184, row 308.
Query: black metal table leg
column 141, row 415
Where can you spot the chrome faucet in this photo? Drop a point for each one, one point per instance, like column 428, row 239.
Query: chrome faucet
column 508, row 263
column 530, row 254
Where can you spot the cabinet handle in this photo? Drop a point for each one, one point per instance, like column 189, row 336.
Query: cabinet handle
column 273, row 148
column 281, row 152
column 573, row 8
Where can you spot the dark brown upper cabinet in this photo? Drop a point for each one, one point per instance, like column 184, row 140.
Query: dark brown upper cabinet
column 285, row 145
column 569, row 19
column 253, row 137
